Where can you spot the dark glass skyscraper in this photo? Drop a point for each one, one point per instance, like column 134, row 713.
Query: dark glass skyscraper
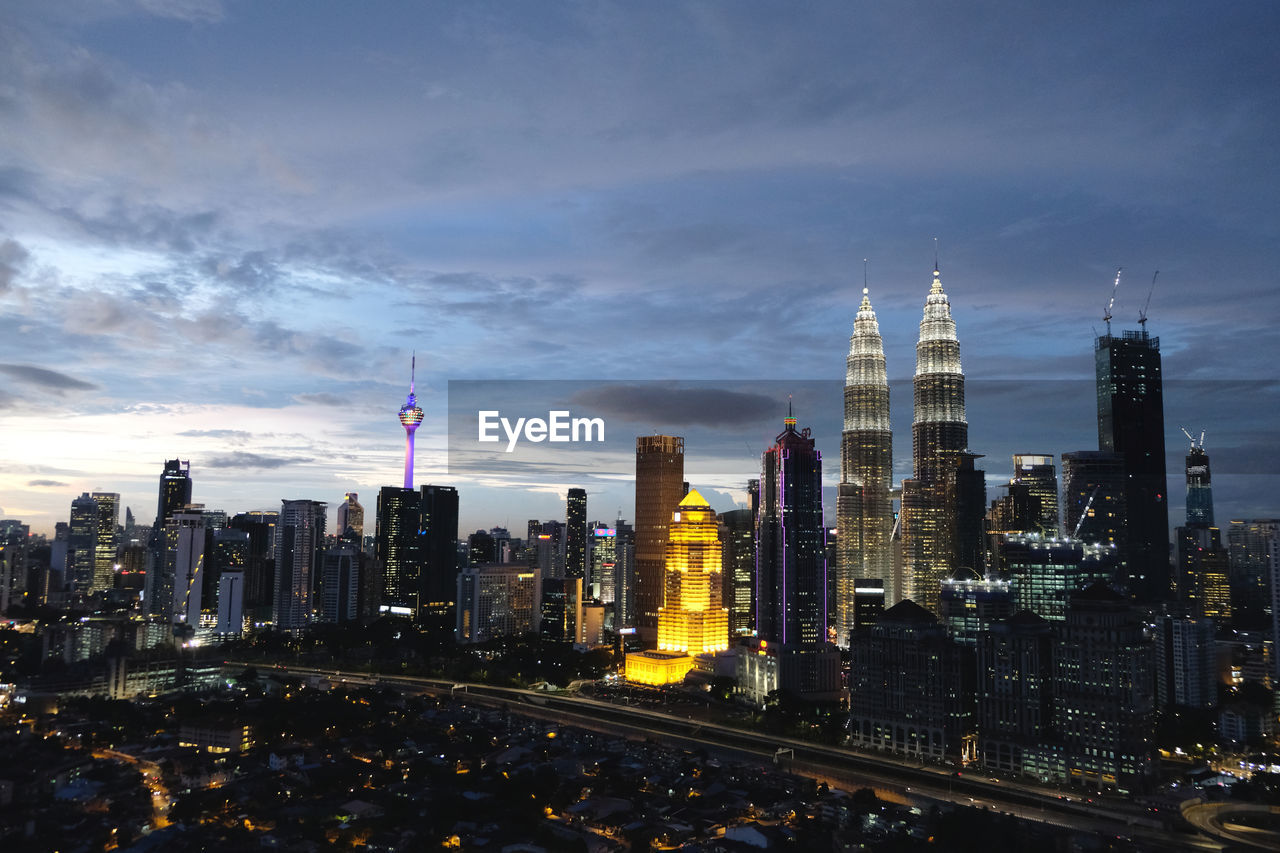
column 299, row 541
column 791, row 566
column 659, row 488
column 439, row 526
column 398, row 549
column 737, row 533
column 1131, row 423
column 864, row 511
column 575, row 545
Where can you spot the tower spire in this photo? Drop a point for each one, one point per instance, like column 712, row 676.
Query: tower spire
column 411, row 415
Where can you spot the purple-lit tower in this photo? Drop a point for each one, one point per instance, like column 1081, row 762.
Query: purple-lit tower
column 410, row 416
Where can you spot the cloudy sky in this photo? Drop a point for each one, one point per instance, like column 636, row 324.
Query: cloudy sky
column 224, row 226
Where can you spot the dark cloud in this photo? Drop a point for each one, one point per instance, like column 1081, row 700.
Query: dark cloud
column 13, row 258
column 240, row 435
column 152, row 226
column 47, row 484
column 50, row 379
column 244, row 459
column 677, row 407
column 323, row 398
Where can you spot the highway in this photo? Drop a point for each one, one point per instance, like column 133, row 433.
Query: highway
column 839, row 767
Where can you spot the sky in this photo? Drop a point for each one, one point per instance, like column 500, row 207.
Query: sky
column 226, row 226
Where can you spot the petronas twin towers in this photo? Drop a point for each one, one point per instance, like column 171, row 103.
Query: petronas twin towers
column 936, row 501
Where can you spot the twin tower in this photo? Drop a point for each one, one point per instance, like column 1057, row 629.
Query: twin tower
column 935, row 534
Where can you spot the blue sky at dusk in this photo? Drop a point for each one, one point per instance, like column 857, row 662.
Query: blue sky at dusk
column 224, row 226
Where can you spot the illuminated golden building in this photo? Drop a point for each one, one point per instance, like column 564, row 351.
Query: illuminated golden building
column 692, row 620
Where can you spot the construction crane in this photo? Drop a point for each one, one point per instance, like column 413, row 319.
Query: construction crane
column 1192, row 438
column 1075, row 534
column 1107, row 316
column 1142, row 315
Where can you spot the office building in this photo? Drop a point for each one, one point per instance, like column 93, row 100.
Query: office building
column 1186, row 663
column 1131, row 423
column 869, row 602
column 1038, row 474
column 497, row 601
column 341, row 585
column 107, row 541
column 230, row 604
column 260, row 561
column 575, row 541
column 1202, row 574
column 969, row 605
column 911, row 689
column 351, row 518
column 184, row 559
column 941, row 525
column 439, row 526
column 659, row 488
column 737, row 532
column 299, row 540
column 1046, row 572
column 398, row 549
column 1104, row 681
column 82, row 543
column 561, row 604
column 791, row 566
column 692, row 620
column 1253, row 555
column 864, row 511
column 1015, row 698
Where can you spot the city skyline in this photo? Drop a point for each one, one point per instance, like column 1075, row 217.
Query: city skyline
column 234, row 273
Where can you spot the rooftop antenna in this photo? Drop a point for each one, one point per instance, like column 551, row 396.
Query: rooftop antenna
column 1107, row 316
column 413, row 370
column 1142, row 315
column 935, row 254
column 864, row 276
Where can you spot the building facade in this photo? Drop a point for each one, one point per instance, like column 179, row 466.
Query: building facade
column 659, row 487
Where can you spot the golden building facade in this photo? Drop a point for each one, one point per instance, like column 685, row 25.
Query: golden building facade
column 693, row 619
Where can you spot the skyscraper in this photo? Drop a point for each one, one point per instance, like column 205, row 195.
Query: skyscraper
column 351, row 517
column 107, row 540
column 692, row 619
column 439, row 526
column 184, row 561
column 1131, row 423
column 864, row 511
column 791, row 568
column 738, row 533
column 175, row 490
column 1203, row 564
column 410, row 417
column 398, row 549
column 941, row 529
column 341, row 569
column 1039, row 475
column 1254, row 547
column 575, row 546
column 82, row 543
column 298, row 543
column 659, row 488
column 1093, row 495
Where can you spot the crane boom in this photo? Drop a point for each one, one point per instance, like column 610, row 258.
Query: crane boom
column 1111, row 304
column 1075, row 534
column 1142, row 315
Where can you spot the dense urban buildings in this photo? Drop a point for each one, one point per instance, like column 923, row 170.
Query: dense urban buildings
column 864, row 510
column 1202, row 571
